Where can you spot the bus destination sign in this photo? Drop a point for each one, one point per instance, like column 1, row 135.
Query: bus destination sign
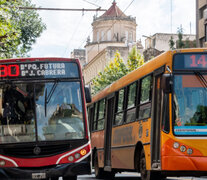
column 39, row 70
column 190, row 61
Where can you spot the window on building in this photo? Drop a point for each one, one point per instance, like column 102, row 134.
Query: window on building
column 201, row 12
column 126, row 35
column 109, row 35
column 130, row 37
column 153, row 42
column 97, row 36
column 102, row 35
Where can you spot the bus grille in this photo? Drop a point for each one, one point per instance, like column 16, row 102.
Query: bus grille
column 36, row 151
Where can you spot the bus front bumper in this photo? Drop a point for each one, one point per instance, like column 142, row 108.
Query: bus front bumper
column 184, row 163
column 63, row 170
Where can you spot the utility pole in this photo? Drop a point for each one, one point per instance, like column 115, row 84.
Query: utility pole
column 171, row 15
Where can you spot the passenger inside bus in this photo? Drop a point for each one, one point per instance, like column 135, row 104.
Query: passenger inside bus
column 16, row 106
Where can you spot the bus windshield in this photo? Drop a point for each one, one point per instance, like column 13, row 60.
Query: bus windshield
column 190, row 104
column 46, row 111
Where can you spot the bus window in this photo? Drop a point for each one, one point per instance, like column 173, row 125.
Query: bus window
column 94, row 124
column 145, row 89
column 190, row 105
column 17, row 114
column 131, row 95
column 59, row 112
column 131, row 110
column 165, row 119
column 119, row 108
column 101, row 115
column 145, row 97
column 91, row 116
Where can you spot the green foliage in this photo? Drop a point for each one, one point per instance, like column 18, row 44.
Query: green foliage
column 116, row 69
column 135, row 59
column 180, row 43
column 187, row 43
column 113, row 71
column 18, row 28
column 171, row 43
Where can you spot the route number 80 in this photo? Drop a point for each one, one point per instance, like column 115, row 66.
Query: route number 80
column 9, row 70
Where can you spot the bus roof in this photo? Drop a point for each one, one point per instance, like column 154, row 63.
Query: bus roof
column 157, row 62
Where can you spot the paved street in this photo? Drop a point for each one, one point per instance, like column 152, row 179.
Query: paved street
column 135, row 176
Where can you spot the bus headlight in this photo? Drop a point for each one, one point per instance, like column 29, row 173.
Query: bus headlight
column 176, row 145
column 2, row 163
column 189, row 151
column 77, row 155
column 71, row 158
column 182, row 148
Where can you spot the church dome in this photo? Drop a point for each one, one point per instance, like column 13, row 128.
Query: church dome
column 114, row 26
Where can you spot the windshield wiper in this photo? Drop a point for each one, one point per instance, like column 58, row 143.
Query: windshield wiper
column 48, row 98
column 201, row 77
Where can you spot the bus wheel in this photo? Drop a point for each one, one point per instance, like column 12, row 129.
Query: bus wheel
column 99, row 172
column 146, row 174
column 70, row 178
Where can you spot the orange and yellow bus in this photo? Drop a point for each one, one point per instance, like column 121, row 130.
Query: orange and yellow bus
column 153, row 120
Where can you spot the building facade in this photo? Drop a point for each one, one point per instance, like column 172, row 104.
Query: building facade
column 113, row 31
column 160, row 41
column 79, row 54
column 98, row 63
column 201, row 23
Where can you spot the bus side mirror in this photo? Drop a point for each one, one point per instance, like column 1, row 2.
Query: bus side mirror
column 88, row 94
column 166, row 83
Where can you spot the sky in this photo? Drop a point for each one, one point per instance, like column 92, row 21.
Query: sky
column 68, row 30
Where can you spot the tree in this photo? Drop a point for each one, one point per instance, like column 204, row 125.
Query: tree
column 19, row 29
column 113, row 71
column 180, row 43
column 171, row 43
column 135, row 59
column 117, row 69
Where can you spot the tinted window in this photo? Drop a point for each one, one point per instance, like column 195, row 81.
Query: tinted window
column 131, row 95
column 119, row 109
column 101, row 109
column 145, row 89
column 58, row 108
column 101, row 114
column 120, row 100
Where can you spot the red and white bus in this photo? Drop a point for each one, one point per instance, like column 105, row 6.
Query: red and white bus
column 43, row 124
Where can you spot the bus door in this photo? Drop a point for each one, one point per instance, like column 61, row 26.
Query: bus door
column 108, row 132
column 156, row 119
